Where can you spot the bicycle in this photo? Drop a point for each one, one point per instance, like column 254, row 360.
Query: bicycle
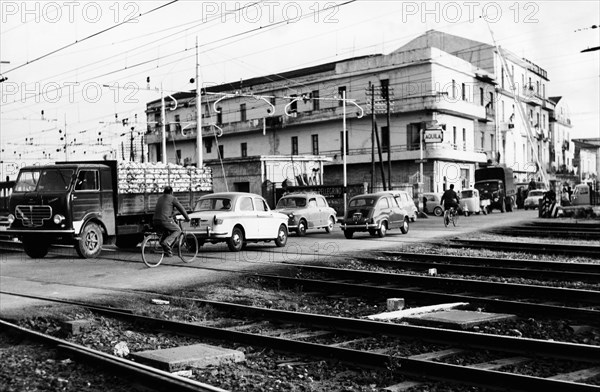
column 153, row 253
column 450, row 215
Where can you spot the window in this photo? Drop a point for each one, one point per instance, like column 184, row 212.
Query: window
column 260, row 204
column 106, row 180
column 87, row 180
column 383, row 203
column 543, row 90
column 315, row 100
column 543, row 121
column 246, row 203
column 273, row 100
column 219, row 115
column 221, row 153
column 294, row 145
column 502, row 76
column 482, row 139
column 178, row 156
column 413, row 132
column 321, row 202
column 464, row 92
column 491, row 100
column 464, row 139
column 341, row 91
column 492, row 142
column 481, row 99
column 177, row 123
column 243, row 112
column 315, row 144
column 454, row 135
column 244, row 148
column 537, row 120
column 312, row 203
column 294, row 106
column 385, row 139
column 537, row 87
column 342, row 141
column 385, row 88
column 208, row 144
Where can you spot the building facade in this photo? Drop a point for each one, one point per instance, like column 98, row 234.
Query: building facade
column 462, row 91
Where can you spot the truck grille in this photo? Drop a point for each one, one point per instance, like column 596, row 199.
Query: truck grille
column 33, row 216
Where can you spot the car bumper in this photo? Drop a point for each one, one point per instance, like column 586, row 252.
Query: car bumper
column 360, row 227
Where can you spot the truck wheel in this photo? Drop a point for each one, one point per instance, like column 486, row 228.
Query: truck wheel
column 35, row 248
column 129, row 241
column 89, row 244
column 509, row 205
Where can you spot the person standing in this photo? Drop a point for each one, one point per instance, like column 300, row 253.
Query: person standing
column 163, row 219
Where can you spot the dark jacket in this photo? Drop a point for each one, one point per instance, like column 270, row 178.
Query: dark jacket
column 164, row 208
column 449, row 196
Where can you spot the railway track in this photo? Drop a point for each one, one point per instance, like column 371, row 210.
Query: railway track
column 592, row 251
column 487, row 266
column 492, row 296
column 429, row 366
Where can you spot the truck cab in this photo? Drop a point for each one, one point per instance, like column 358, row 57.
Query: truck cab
column 63, row 204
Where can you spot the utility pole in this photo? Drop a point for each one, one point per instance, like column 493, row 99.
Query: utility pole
column 389, row 141
column 373, row 126
column 131, row 147
column 199, row 143
column 344, row 150
column 163, row 116
column 66, row 146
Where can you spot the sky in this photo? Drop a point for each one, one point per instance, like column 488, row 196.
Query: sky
column 84, row 66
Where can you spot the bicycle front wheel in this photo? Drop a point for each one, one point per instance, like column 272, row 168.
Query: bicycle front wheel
column 188, row 247
column 152, row 252
column 446, row 218
column 454, row 219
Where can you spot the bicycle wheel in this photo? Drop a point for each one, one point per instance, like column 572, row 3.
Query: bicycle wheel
column 152, row 252
column 446, row 218
column 188, row 247
column 455, row 218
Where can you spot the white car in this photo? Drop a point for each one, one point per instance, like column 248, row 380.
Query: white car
column 533, row 198
column 237, row 218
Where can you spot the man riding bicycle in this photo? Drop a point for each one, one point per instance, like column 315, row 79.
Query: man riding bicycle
column 450, row 199
column 163, row 219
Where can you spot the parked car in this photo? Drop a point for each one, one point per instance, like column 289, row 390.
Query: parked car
column 306, row 211
column 431, row 203
column 376, row 213
column 406, row 202
column 533, row 198
column 470, row 202
column 237, row 218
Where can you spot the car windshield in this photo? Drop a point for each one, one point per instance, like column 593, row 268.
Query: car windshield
column 362, row 202
column 291, row 202
column 45, row 180
column 536, row 193
column 213, row 204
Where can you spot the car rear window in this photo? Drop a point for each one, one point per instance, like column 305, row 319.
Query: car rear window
column 362, row 202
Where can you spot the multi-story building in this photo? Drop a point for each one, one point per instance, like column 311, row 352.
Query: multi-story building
column 461, row 88
column 561, row 148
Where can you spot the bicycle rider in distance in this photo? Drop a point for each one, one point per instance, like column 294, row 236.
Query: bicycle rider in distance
column 450, row 200
column 163, row 219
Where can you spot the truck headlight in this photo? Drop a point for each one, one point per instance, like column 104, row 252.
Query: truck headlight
column 58, row 218
column 10, row 218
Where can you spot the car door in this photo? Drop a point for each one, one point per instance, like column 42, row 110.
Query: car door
column 312, row 212
column 323, row 214
column 396, row 213
column 268, row 224
column 247, row 217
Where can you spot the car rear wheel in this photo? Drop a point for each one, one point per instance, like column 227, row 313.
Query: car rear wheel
column 404, row 227
column 235, row 243
column 330, row 224
column 437, row 211
column 282, row 235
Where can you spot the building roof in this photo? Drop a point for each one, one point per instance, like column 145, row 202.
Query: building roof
column 447, row 42
column 555, row 99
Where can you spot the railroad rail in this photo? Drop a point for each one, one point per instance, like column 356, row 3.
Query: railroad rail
column 533, row 269
column 410, row 366
column 592, row 251
column 433, row 289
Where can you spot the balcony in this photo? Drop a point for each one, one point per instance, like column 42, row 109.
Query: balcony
column 530, row 96
column 440, row 102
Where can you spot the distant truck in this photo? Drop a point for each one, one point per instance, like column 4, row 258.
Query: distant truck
column 496, row 185
column 89, row 203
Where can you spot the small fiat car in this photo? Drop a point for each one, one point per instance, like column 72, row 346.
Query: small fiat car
column 237, row 218
column 374, row 213
column 533, row 198
column 306, row 211
column 406, row 203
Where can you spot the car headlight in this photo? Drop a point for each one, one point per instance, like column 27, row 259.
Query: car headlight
column 291, row 215
column 10, row 218
column 58, row 218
